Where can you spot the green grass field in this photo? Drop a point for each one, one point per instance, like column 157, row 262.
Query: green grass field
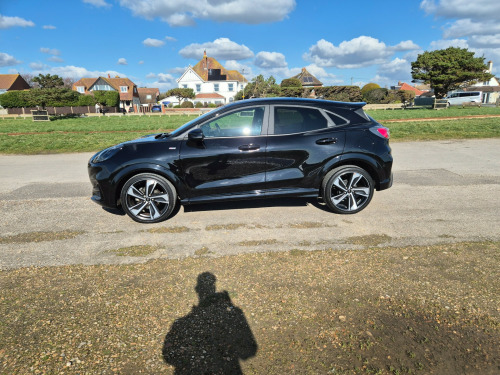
column 23, row 136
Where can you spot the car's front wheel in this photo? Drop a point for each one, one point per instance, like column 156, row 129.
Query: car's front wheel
column 148, row 198
column 347, row 189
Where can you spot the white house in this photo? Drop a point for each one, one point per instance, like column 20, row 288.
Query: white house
column 490, row 89
column 211, row 82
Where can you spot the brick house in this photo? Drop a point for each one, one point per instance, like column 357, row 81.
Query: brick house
column 129, row 95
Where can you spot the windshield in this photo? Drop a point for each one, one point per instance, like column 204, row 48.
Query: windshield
column 188, row 124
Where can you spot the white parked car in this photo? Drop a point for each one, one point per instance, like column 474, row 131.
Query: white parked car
column 457, row 98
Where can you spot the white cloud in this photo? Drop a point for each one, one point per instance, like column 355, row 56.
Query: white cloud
column 485, row 41
column 170, row 39
column 70, row 71
column 245, row 70
column 55, row 59
column 150, row 42
column 445, row 43
column 407, row 45
column 477, row 9
column 97, row 3
column 177, row 71
column 222, row 48
column 122, row 61
column 270, row 60
column 49, row 27
column 50, row 51
column 391, row 73
column 465, row 27
column 140, row 62
column 8, row 22
column 7, row 60
column 358, row 52
column 163, row 81
column 184, row 12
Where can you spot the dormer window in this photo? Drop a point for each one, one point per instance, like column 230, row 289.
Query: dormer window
column 80, row 89
column 123, row 88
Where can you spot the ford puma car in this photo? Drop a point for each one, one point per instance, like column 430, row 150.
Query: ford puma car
column 257, row 148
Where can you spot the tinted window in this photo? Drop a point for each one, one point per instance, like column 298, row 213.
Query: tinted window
column 337, row 120
column 288, row 120
column 244, row 122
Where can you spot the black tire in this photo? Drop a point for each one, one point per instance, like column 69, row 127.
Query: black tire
column 347, row 189
column 148, row 198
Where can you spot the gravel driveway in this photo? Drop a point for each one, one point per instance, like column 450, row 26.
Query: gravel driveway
column 444, row 191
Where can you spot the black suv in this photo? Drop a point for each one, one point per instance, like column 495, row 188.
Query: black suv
column 256, row 148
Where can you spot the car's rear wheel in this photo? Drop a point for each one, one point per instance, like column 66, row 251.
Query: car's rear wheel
column 347, row 189
column 148, row 198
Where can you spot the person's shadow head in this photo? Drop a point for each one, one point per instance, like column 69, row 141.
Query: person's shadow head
column 205, row 286
column 213, row 337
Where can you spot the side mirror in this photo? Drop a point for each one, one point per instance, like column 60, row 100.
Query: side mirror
column 196, row 135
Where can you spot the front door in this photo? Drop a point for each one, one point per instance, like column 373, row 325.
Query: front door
column 231, row 159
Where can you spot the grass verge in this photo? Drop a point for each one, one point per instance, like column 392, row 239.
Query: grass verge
column 414, row 310
column 95, row 133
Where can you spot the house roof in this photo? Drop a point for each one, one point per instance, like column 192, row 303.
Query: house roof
column 405, row 86
column 113, row 82
column 209, row 96
column 145, row 91
column 307, row 79
column 206, row 63
column 7, row 80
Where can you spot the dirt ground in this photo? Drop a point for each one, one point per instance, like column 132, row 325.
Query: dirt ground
column 379, row 310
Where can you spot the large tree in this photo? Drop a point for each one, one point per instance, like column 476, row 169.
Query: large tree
column 449, row 69
column 48, row 81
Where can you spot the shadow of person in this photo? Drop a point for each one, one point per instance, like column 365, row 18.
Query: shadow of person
column 212, row 338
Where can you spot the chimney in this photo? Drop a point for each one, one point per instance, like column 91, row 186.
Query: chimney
column 490, row 66
column 109, row 76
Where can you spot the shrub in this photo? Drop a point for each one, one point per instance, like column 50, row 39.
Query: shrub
column 291, row 82
column 292, row 92
column 340, row 93
column 187, row 104
column 86, row 100
column 369, row 87
column 199, row 105
column 107, row 98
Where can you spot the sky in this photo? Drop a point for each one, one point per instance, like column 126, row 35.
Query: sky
column 152, row 42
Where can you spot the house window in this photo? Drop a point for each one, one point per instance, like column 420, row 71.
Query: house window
column 148, row 96
column 102, row 88
column 184, row 86
column 123, row 88
column 80, row 89
column 216, row 87
column 198, row 87
column 230, row 87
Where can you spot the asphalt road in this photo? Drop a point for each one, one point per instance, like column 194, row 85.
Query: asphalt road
column 444, row 191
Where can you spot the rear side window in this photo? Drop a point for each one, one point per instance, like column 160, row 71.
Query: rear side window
column 289, row 120
column 337, row 120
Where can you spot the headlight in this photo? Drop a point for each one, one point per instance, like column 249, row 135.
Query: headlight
column 106, row 153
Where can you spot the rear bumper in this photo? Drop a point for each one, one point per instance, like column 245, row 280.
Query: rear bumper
column 385, row 184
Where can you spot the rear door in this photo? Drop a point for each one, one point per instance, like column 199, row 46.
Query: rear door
column 231, row 160
column 301, row 141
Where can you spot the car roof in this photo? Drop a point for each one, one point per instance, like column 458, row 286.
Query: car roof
column 296, row 101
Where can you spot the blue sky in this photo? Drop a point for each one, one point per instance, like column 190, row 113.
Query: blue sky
column 153, row 41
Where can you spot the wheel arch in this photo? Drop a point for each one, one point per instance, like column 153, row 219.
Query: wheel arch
column 128, row 172
column 366, row 162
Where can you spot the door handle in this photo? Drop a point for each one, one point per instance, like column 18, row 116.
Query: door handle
column 250, row 147
column 326, row 141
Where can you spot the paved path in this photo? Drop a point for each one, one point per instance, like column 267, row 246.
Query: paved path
column 444, row 191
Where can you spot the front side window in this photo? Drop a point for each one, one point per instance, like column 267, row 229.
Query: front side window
column 289, row 120
column 245, row 122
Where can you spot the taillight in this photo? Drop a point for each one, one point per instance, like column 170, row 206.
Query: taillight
column 381, row 132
